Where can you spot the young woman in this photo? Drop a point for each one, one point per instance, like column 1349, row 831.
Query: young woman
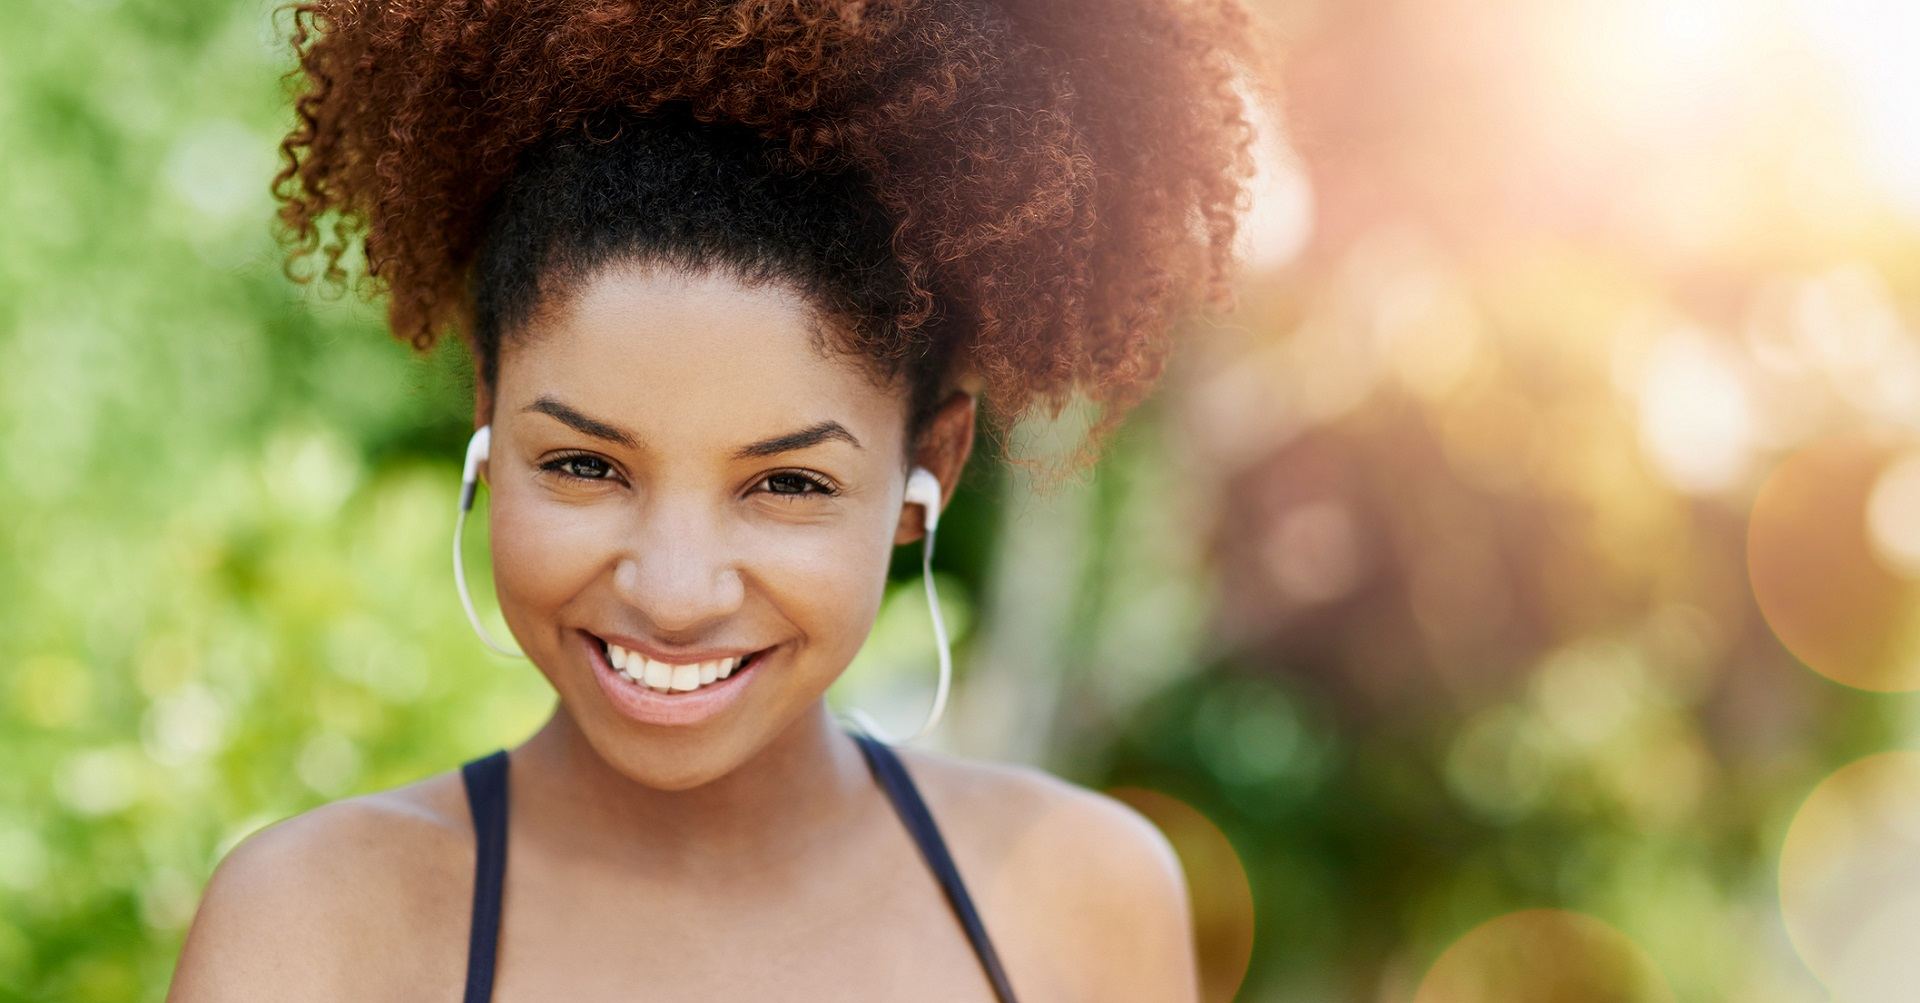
column 734, row 276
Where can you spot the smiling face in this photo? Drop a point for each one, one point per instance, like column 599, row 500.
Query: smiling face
column 677, row 465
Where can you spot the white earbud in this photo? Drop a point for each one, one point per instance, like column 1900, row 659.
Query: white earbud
column 923, row 489
column 478, row 449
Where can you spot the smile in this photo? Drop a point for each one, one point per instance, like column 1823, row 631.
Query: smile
column 668, row 677
column 657, row 692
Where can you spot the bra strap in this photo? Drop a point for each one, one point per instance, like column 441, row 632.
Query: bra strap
column 907, row 803
column 486, row 782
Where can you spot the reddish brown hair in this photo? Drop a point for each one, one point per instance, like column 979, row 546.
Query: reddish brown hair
column 1062, row 175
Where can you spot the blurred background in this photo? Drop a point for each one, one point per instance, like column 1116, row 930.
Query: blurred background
column 1515, row 599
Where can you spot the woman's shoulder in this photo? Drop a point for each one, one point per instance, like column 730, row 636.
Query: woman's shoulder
column 1014, row 805
column 1061, row 870
column 1017, row 794
column 358, row 879
column 378, row 840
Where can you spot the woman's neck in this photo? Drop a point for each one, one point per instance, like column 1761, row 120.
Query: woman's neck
column 793, row 798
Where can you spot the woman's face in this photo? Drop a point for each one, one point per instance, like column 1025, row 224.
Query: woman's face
column 675, row 463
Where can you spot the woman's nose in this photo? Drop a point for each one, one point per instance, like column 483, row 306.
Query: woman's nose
column 678, row 571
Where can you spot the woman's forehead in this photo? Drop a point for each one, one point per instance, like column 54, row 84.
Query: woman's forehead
column 681, row 357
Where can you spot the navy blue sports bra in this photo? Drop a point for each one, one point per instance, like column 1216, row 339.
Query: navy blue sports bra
column 486, row 783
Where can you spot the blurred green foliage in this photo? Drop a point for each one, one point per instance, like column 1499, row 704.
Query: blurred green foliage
column 222, row 593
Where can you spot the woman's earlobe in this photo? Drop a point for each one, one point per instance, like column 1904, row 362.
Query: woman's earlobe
column 908, row 528
column 913, row 522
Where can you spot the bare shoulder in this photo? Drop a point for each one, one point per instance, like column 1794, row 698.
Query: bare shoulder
column 1013, row 804
column 1069, row 872
column 333, row 902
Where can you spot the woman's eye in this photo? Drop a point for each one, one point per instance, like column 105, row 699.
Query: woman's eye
column 795, row 484
column 580, row 467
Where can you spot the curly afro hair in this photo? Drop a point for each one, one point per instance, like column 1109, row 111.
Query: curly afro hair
column 1025, row 192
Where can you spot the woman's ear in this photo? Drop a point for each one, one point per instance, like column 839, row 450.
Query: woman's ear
column 482, row 415
column 943, row 450
column 482, row 403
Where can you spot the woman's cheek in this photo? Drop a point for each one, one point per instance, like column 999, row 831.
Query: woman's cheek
column 543, row 555
column 823, row 583
column 826, row 581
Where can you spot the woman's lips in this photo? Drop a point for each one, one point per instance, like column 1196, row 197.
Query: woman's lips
column 639, row 703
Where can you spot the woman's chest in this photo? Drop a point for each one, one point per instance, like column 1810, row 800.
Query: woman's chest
column 870, row 921
column 880, row 930
column 793, row 957
column 891, row 940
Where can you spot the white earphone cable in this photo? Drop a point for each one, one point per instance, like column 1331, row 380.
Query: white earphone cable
column 460, row 575
column 864, row 720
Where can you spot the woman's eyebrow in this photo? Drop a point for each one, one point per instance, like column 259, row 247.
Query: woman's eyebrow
column 581, row 423
column 812, row 435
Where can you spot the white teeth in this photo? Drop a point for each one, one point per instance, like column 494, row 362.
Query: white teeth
column 666, row 678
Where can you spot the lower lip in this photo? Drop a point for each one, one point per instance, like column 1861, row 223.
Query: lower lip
column 649, row 706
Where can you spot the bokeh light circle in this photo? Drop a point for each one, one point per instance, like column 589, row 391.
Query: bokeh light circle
column 1217, row 883
column 1544, row 956
column 1850, row 879
column 1826, row 593
column 1893, row 515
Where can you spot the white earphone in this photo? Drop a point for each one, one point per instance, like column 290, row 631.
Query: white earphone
column 923, row 489
column 478, row 448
